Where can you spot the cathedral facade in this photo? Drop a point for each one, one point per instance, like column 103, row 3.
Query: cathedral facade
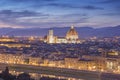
column 71, row 37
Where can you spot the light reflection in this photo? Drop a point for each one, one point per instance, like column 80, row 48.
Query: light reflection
column 37, row 76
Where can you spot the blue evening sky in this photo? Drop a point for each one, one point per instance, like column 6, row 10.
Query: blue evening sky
column 59, row 13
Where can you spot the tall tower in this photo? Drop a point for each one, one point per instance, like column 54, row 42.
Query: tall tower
column 50, row 36
column 50, row 32
column 72, row 27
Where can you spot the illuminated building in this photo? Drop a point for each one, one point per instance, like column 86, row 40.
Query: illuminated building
column 61, row 40
column 50, row 37
column 31, row 38
column 71, row 37
column 113, row 53
column 100, row 62
column 56, row 63
column 92, row 63
column 35, row 60
column 7, row 39
column 71, row 62
column 112, row 61
column 112, row 64
column 15, row 45
column 10, row 58
column 84, row 64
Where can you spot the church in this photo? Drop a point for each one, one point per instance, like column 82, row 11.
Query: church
column 71, row 37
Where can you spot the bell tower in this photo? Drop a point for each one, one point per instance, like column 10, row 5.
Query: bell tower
column 50, row 36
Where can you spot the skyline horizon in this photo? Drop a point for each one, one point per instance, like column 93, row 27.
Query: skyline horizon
column 84, row 32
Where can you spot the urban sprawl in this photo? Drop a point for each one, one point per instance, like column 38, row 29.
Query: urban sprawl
column 93, row 54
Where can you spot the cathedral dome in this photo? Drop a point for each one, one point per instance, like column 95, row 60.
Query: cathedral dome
column 72, row 34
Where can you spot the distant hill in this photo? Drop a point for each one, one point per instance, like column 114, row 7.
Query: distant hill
column 84, row 32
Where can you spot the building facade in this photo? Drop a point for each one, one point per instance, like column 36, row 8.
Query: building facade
column 71, row 37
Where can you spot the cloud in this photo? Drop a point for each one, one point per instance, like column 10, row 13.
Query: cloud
column 10, row 17
column 110, row 1
column 32, row 0
column 34, row 19
column 75, row 15
column 24, row 4
column 61, row 5
column 111, row 14
column 92, row 8
column 15, row 14
column 38, row 4
column 87, row 7
column 18, row 14
column 54, row 23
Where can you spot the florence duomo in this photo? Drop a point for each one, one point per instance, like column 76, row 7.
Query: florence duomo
column 71, row 37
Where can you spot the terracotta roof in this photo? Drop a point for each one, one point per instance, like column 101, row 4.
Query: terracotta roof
column 72, row 31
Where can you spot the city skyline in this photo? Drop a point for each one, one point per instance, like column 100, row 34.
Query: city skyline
column 59, row 13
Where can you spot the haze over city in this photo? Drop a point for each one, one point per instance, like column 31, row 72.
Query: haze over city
column 59, row 13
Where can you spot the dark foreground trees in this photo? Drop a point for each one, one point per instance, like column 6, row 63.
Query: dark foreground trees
column 5, row 75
